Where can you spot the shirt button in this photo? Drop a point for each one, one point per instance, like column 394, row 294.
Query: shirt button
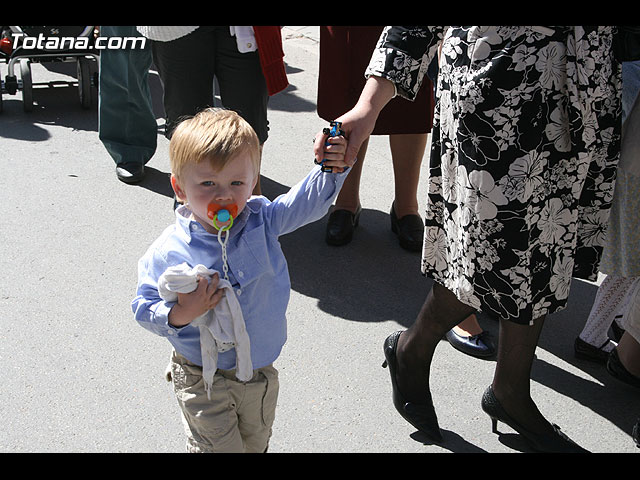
column 241, row 274
column 249, row 45
column 239, row 292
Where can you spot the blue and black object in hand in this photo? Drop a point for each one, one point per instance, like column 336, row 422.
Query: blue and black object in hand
column 334, row 131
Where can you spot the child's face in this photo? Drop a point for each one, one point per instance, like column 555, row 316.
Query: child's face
column 201, row 184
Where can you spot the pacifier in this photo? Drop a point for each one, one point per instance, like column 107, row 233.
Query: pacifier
column 222, row 213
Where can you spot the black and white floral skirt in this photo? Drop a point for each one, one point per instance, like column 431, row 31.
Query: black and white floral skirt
column 525, row 146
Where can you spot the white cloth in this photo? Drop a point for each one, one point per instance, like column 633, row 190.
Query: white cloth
column 163, row 33
column 221, row 328
column 245, row 38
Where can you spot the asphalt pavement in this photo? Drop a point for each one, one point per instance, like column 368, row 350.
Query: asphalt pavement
column 79, row 374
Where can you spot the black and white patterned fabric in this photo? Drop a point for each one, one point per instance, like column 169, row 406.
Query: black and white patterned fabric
column 525, row 145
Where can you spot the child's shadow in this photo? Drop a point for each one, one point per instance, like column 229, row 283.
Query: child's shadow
column 372, row 279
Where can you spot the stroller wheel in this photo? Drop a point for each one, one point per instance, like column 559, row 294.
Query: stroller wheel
column 86, row 88
column 27, row 85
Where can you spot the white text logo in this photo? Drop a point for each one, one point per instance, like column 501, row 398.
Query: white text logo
column 77, row 43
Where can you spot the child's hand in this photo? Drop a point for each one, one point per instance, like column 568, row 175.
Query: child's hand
column 331, row 150
column 191, row 305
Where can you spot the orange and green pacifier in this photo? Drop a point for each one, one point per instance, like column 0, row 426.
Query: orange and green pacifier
column 222, row 213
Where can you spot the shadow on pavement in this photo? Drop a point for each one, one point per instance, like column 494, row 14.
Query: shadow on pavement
column 373, row 280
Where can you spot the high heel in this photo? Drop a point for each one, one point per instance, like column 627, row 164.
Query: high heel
column 556, row 442
column 421, row 416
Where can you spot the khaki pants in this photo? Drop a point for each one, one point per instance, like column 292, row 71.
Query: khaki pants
column 239, row 416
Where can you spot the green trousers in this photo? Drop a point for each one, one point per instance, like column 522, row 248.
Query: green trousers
column 126, row 123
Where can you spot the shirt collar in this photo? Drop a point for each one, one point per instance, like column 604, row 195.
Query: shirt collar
column 187, row 226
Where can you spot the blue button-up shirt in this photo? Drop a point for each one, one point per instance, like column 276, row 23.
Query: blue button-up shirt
column 257, row 267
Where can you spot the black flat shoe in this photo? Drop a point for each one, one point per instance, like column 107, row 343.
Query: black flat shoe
column 421, row 416
column 616, row 331
column 586, row 351
column 556, row 442
column 618, row 370
column 341, row 225
column 130, row 172
column 409, row 229
column 480, row 346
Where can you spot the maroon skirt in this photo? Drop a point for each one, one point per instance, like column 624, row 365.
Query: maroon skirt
column 345, row 52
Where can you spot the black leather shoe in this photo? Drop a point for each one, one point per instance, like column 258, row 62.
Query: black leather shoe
column 618, row 370
column 480, row 346
column 586, row 351
column 556, row 442
column 616, row 331
column 421, row 416
column 409, row 229
column 130, row 172
column 341, row 225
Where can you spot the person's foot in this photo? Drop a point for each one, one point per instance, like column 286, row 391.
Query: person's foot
column 524, row 411
column 479, row 346
column 541, row 435
column 409, row 229
column 130, row 172
column 421, row 414
column 341, row 225
column 586, row 351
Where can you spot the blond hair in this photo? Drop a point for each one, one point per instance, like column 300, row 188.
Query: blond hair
column 216, row 135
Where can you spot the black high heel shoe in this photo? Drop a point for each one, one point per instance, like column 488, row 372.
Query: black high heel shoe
column 421, row 416
column 556, row 442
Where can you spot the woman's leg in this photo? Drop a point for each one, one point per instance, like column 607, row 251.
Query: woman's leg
column 512, row 379
column 416, row 346
column 407, row 152
column 186, row 68
column 469, row 327
column 609, row 303
column 629, row 354
column 349, row 196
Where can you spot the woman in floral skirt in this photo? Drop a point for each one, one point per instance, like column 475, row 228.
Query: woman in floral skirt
column 525, row 146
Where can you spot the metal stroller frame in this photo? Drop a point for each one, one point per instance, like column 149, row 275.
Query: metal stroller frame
column 86, row 60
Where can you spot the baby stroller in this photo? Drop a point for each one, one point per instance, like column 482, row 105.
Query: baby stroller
column 22, row 45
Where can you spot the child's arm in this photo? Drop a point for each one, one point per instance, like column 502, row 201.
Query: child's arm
column 311, row 198
column 164, row 317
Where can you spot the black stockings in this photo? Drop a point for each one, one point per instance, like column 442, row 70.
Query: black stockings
column 442, row 311
column 511, row 381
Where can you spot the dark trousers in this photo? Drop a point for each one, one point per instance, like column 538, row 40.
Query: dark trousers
column 188, row 66
column 127, row 126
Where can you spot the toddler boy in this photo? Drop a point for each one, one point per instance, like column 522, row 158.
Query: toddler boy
column 227, row 390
